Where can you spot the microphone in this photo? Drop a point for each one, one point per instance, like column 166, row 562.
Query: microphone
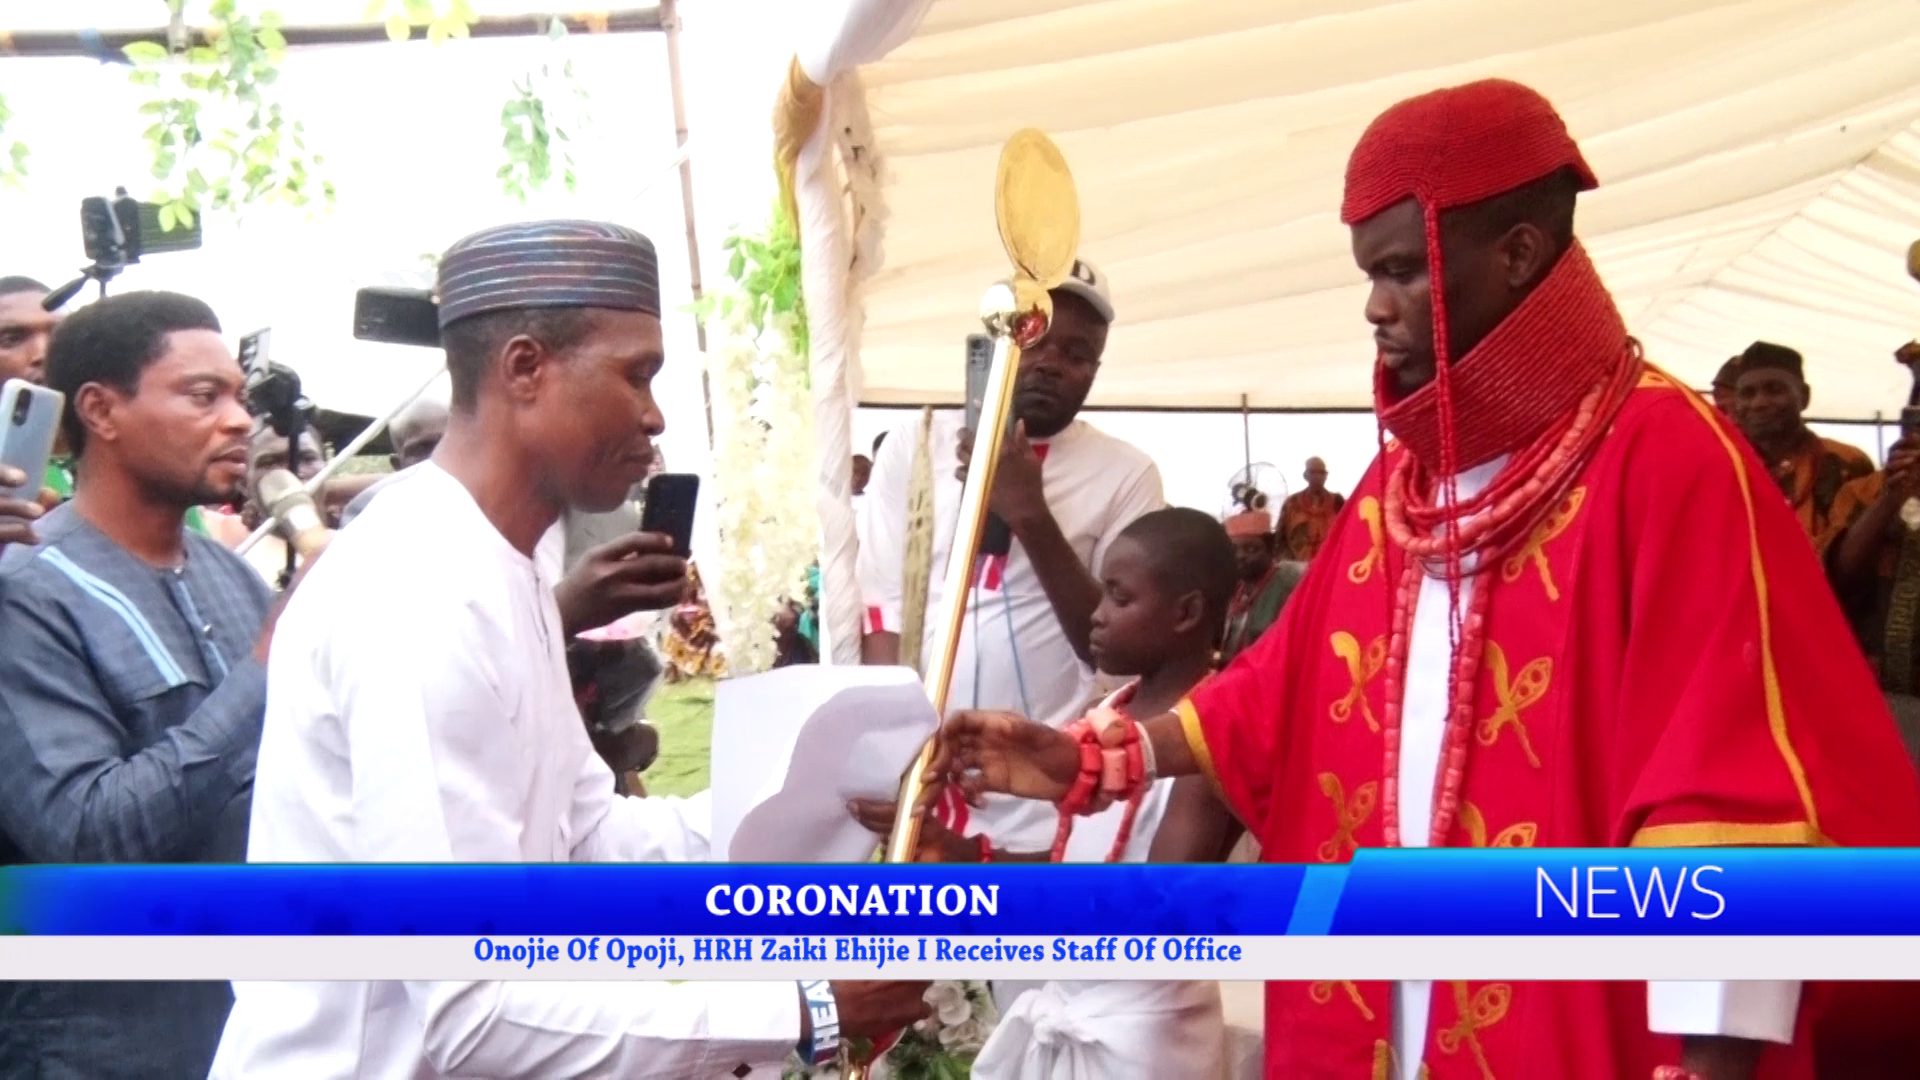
column 295, row 517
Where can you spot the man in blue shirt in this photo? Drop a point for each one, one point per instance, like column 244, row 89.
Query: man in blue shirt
column 132, row 684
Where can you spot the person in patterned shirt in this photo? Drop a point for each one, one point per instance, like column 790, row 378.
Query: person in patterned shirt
column 1770, row 405
column 1307, row 516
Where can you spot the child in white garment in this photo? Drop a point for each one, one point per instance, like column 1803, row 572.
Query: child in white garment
column 1165, row 584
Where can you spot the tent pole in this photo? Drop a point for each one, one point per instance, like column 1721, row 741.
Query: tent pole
column 1246, row 432
column 106, row 45
column 670, row 24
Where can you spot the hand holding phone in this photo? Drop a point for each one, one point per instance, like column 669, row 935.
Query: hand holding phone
column 31, row 417
column 644, row 570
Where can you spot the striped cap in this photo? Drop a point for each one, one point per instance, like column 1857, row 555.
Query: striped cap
column 546, row 264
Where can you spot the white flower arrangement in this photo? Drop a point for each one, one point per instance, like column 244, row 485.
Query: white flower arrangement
column 763, row 452
column 941, row 1047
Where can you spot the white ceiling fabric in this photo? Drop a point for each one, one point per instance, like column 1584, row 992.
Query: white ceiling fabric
column 1759, row 165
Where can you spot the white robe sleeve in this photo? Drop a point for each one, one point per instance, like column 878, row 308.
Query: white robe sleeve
column 435, row 780
column 1762, row 1011
column 608, row 827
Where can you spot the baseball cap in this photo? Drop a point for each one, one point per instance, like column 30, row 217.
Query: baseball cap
column 1088, row 283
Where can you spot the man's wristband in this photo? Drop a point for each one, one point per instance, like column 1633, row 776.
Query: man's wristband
column 824, row 1012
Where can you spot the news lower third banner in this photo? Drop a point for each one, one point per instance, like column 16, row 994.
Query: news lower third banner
column 1389, row 914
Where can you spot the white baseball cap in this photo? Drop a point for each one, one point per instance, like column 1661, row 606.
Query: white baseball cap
column 1088, row 283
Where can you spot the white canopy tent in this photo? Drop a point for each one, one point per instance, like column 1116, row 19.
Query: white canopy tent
column 1760, row 168
column 1759, row 162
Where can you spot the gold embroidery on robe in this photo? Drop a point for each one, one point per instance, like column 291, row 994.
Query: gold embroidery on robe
column 1383, row 1060
column 1322, row 993
column 1516, row 694
column 1475, row 1014
column 1376, row 557
column 1534, row 550
column 1361, row 668
column 1348, row 815
column 1518, row 835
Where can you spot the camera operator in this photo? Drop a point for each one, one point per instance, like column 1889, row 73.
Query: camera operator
column 132, row 684
column 267, row 451
column 1873, row 560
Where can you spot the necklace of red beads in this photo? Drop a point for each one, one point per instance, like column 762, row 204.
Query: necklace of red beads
column 1461, row 538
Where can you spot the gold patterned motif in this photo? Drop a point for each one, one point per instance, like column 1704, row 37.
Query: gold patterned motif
column 1322, row 993
column 1474, row 1015
column 1518, row 835
column 1534, row 550
column 1382, row 1060
column 1516, row 696
column 1361, row 668
column 1376, row 556
column 1348, row 815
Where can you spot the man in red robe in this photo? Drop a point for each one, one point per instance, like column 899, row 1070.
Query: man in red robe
column 1525, row 631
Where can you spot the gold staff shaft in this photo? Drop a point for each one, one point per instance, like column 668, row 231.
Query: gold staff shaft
column 1038, row 214
column 960, row 568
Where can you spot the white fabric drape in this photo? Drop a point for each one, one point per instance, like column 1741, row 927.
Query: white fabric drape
column 846, row 34
column 1108, row 1031
column 1759, row 165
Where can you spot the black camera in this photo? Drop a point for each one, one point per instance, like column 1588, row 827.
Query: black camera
column 396, row 316
column 273, row 390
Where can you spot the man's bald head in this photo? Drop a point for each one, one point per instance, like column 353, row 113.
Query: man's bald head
column 1316, row 475
column 417, row 431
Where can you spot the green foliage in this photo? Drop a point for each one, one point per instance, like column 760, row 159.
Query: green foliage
column 442, row 20
column 536, row 126
column 765, row 270
column 219, row 140
column 13, row 152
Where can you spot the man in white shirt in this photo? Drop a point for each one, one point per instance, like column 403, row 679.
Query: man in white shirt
column 1065, row 491
column 419, row 707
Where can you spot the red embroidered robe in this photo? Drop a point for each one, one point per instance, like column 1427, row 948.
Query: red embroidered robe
column 1664, row 666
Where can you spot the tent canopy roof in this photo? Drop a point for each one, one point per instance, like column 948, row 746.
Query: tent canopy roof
column 1759, row 165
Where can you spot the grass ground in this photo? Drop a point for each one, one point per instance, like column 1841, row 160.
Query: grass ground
column 684, row 714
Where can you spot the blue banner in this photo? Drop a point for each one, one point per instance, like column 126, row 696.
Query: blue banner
column 1382, row 892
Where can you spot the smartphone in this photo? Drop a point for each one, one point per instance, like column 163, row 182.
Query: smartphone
column 118, row 231
column 1909, row 420
column 998, row 538
column 254, row 350
column 979, row 366
column 669, row 509
column 32, row 417
column 396, row 316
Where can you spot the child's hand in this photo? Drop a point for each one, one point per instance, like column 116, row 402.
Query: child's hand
column 937, row 842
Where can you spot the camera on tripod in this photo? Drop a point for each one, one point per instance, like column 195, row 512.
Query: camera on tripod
column 116, row 233
column 273, row 389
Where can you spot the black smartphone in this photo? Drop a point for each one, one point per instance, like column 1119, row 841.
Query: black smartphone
column 998, row 538
column 396, row 316
column 119, row 231
column 669, row 509
column 979, row 366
